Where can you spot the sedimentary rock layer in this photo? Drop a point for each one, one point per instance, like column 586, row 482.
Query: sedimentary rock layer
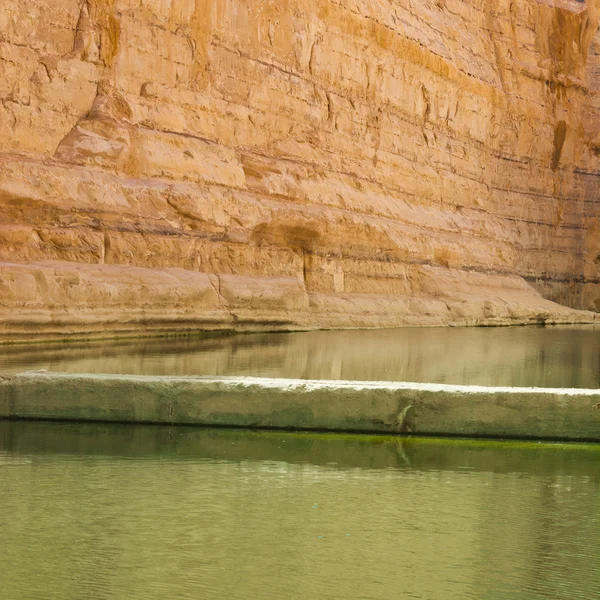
column 219, row 163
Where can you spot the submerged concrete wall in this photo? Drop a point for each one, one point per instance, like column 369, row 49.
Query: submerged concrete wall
column 386, row 407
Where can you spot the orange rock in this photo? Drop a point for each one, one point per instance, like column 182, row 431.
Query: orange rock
column 275, row 164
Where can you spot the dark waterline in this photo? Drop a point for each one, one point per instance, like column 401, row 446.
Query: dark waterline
column 517, row 356
column 143, row 513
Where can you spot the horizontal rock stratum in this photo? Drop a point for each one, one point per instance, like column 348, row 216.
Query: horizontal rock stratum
column 268, row 164
column 372, row 406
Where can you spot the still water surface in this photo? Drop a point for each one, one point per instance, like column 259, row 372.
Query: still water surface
column 142, row 513
column 519, row 356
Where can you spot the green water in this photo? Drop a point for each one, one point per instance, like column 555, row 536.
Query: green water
column 519, row 356
column 143, row 513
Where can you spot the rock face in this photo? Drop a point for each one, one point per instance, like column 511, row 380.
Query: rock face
column 176, row 164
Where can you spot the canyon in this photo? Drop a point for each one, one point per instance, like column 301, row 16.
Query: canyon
column 183, row 165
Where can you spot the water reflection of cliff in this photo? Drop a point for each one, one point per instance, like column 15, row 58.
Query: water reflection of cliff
column 551, row 357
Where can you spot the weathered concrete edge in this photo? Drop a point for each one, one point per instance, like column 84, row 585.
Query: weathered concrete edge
column 383, row 407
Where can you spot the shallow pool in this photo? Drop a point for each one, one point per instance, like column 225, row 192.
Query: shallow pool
column 512, row 356
column 140, row 513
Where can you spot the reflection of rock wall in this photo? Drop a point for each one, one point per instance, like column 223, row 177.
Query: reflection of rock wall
column 545, row 357
column 299, row 164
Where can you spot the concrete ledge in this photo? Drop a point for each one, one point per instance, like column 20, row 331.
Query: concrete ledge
column 383, row 407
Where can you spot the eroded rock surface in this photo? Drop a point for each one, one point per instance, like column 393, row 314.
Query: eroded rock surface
column 273, row 164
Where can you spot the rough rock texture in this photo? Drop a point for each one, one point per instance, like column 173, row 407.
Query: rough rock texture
column 273, row 164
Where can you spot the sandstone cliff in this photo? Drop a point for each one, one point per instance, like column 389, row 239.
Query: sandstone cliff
column 175, row 164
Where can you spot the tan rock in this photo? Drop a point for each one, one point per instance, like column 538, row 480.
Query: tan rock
column 293, row 165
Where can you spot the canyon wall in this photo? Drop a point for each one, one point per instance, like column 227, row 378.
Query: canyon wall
column 243, row 164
